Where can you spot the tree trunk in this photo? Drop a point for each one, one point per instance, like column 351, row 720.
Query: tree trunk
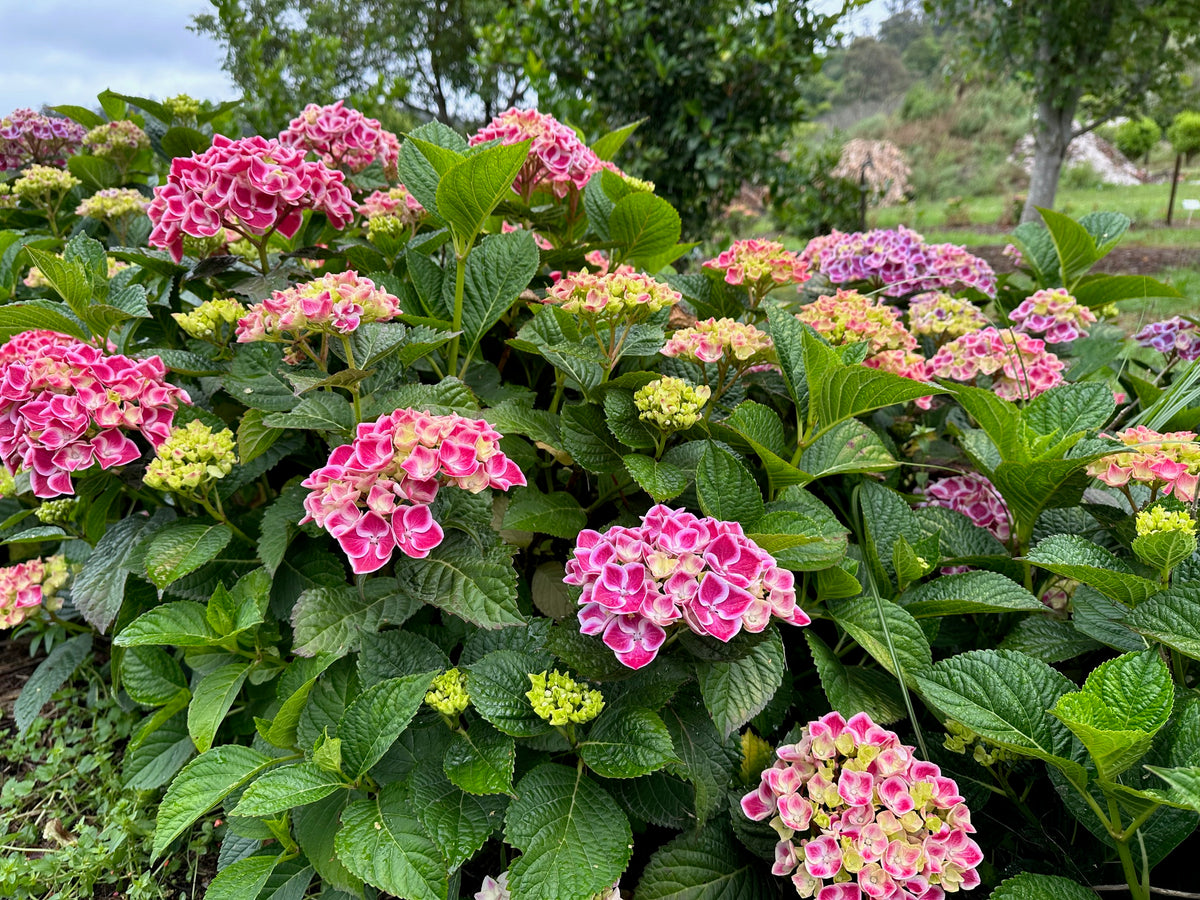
column 1050, row 149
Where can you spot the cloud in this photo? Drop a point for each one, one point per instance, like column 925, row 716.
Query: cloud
column 68, row 51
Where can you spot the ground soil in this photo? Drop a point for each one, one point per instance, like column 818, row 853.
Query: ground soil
column 1127, row 260
column 15, row 669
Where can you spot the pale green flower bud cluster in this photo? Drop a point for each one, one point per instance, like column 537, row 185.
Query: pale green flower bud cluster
column 56, row 575
column 191, row 459
column 671, row 404
column 959, row 738
column 42, row 182
column 448, row 693
column 120, row 139
column 201, row 247
column 205, row 321
column 1158, row 520
column 112, row 203
column 560, row 699
column 8, row 200
column 8, row 484
column 57, row 512
column 386, row 227
column 182, row 106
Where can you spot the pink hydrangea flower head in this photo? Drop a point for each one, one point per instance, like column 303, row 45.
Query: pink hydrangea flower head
column 760, row 266
column 899, row 260
column 676, row 568
column 343, row 138
column 332, row 304
column 29, row 585
column 1013, row 255
column 66, row 406
column 558, row 159
column 1054, row 314
column 939, row 314
column 1020, row 366
column 253, row 186
column 373, row 495
column 715, row 340
column 859, row 816
column 1167, row 462
column 976, row 498
column 30, row 138
column 848, row 317
column 616, row 297
column 1176, row 335
column 395, row 203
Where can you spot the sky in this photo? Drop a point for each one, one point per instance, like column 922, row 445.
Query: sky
column 68, row 51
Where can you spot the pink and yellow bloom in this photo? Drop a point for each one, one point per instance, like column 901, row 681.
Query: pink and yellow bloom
column 760, row 266
column 1021, row 367
column 29, row 585
column 1169, row 462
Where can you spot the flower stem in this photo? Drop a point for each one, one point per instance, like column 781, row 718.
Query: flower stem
column 460, row 279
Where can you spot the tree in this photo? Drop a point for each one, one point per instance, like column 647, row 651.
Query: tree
column 1137, row 137
column 399, row 60
column 1116, row 53
column 718, row 82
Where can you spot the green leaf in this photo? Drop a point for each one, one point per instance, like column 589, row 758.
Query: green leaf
column 371, row 724
column 333, row 618
column 558, row 514
column 459, row 823
column 1120, row 708
column 1000, row 420
column 1050, row 640
column 51, row 674
column 455, row 577
column 382, row 843
column 254, row 379
column 99, row 588
column 1072, row 556
column 860, row 618
column 181, row 140
column 151, row 676
column 661, row 480
column 645, row 225
column 1100, row 290
column 68, row 278
column 607, row 145
column 1075, row 248
column 161, row 753
column 788, row 335
column 480, row 760
column 966, row 593
column 211, row 701
column 497, row 270
column 317, row 412
column 242, row 879
column 1103, row 619
column 854, row 689
column 254, row 438
column 94, row 171
column 469, row 191
column 182, row 624
column 1005, row 697
column 850, row 447
column 394, row 654
column 735, row 692
column 181, row 548
column 33, row 314
column 574, row 839
column 706, row 759
column 725, row 487
column 87, row 118
column 1070, row 408
column 315, row 830
column 625, row 422
column 202, row 784
column 1185, row 785
column 1171, row 618
column 1028, row 886
column 281, row 789
column 626, row 742
column 586, row 437
column 497, row 685
column 704, row 865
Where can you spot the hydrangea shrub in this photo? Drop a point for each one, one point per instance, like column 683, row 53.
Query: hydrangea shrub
column 462, row 531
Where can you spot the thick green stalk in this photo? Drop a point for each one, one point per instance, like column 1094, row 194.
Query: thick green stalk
column 460, row 283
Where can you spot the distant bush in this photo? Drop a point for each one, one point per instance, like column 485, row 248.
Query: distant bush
column 1184, row 133
column 1081, row 177
column 1137, row 137
column 924, row 102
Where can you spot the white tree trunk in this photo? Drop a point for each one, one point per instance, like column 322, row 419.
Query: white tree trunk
column 1050, row 149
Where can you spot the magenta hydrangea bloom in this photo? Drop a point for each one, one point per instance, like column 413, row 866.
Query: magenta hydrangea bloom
column 65, row 406
column 558, row 159
column 859, row 816
column 976, row 498
column 341, row 136
column 332, row 304
column 29, row 138
column 1175, row 335
column 676, row 567
column 373, row 495
column 253, row 186
column 899, row 259
column 1054, row 314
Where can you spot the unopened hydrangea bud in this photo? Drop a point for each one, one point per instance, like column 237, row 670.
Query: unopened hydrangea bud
column 560, row 699
column 116, row 140
column 1164, row 538
column 1158, row 520
column 112, row 203
column 57, row 512
column 448, row 693
column 191, row 459
column 40, row 183
column 8, row 200
column 182, row 106
column 205, row 321
column 8, row 484
column 386, row 227
column 671, row 404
